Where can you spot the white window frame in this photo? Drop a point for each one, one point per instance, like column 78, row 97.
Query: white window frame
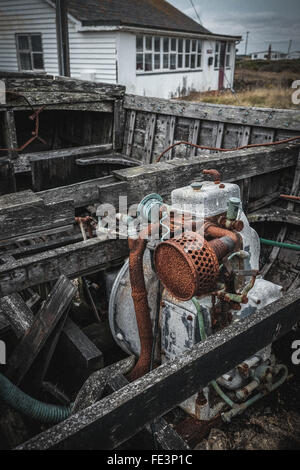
column 217, row 55
column 228, row 55
column 191, row 59
column 30, row 52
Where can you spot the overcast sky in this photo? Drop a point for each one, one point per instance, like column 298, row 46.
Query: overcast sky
column 268, row 21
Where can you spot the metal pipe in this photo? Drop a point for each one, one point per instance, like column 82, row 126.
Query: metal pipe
column 139, row 295
column 218, row 232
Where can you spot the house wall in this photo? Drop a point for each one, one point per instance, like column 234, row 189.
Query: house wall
column 264, row 55
column 167, row 84
column 92, row 54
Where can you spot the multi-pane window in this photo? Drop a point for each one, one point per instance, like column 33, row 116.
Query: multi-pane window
column 228, row 54
column 30, row 52
column 160, row 54
column 217, row 54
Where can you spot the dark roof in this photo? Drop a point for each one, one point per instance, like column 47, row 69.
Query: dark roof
column 157, row 14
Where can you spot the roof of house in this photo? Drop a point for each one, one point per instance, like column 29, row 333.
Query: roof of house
column 155, row 14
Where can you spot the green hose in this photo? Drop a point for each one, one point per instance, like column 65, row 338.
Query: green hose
column 288, row 246
column 31, row 407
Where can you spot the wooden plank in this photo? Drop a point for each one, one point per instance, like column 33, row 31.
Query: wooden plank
column 44, row 323
column 246, row 191
column 78, row 351
column 246, row 183
column 51, row 99
column 264, row 117
column 165, row 176
column 73, row 260
column 36, row 216
column 220, row 134
column 119, row 125
column 16, row 312
column 7, row 177
column 26, row 83
column 23, row 163
column 4, row 325
column 262, row 202
column 282, row 234
column 149, row 138
column 131, row 117
column 194, row 135
column 233, row 166
column 149, row 397
column 73, row 345
column 10, row 134
column 275, row 214
column 170, row 131
column 166, row 436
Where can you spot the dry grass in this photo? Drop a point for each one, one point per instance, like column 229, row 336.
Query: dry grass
column 266, row 84
column 260, row 97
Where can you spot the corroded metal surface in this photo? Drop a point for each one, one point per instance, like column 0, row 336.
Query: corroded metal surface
column 187, row 266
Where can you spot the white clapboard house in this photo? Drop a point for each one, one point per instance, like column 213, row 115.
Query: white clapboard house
column 147, row 45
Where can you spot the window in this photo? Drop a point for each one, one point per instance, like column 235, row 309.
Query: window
column 217, row 55
column 30, row 52
column 228, row 54
column 160, row 54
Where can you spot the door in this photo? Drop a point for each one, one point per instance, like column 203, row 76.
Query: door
column 222, row 65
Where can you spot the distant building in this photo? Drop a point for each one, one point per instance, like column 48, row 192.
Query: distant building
column 294, row 55
column 264, row 55
column 147, row 45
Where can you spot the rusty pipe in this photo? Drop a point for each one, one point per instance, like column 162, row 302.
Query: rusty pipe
column 139, row 295
column 218, row 232
column 214, row 174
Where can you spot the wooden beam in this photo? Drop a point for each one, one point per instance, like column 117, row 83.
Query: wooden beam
column 275, row 214
column 21, row 83
column 25, row 212
column 129, row 133
column 262, row 202
column 16, row 312
column 149, row 138
column 119, row 124
column 23, row 164
column 149, row 397
column 79, row 352
column 77, row 259
column 233, row 166
column 166, row 436
column 62, row 35
column 7, row 177
column 10, row 134
column 258, row 117
column 43, row 325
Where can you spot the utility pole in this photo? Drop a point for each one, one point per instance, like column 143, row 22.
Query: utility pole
column 270, row 52
column 62, row 34
column 290, row 46
column 246, row 44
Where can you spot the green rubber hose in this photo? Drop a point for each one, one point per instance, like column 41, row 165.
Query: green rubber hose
column 288, row 246
column 29, row 406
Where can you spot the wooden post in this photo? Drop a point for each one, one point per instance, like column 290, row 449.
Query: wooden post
column 62, row 33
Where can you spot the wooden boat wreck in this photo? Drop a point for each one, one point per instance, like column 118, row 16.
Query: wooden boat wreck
column 72, row 381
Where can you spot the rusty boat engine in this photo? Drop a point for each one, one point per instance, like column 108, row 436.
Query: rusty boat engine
column 193, row 270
